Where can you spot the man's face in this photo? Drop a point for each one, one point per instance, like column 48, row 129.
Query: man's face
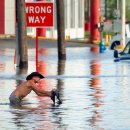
column 36, row 79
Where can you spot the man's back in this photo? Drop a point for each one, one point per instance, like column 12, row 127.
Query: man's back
column 23, row 89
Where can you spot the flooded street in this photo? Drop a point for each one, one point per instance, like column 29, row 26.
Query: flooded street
column 95, row 90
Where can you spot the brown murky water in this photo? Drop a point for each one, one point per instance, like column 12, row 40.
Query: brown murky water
column 94, row 89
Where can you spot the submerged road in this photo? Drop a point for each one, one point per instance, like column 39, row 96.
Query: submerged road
column 95, row 90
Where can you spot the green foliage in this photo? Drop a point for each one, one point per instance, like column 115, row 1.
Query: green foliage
column 128, row 10
column 87, row 34
column 111, row 8
column 108, row 33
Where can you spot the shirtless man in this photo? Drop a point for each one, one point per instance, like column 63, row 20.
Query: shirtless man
column 26, row 87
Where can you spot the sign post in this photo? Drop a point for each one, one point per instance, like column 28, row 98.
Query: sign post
column 37, row 49
column 39, row 14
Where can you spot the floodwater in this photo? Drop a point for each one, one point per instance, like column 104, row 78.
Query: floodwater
column 95, row 91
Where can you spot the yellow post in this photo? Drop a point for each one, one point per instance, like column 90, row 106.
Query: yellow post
column 107, row 40
column 68, row 37
column 110, row 37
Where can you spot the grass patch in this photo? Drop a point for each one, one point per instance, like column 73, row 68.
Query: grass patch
column 87, row 34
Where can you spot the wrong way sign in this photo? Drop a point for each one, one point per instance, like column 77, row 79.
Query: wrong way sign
column 39, row 14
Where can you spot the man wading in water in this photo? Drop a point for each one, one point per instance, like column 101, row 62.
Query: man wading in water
column 26, row 87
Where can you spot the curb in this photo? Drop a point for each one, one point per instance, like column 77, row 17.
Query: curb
column 7, row 37
column 67, row 40
column 4, row 37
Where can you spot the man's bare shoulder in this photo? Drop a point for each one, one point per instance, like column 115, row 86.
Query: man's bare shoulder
column 26, row 83
column 29, row 84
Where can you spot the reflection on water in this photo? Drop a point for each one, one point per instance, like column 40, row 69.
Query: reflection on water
column 60, row 71
column 97, row 94
column 2, row 64
column 94, row 50
column 40, row 114
column 2, row 67
column 94, row 89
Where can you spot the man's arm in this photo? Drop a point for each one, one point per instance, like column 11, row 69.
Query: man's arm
column 40, row 92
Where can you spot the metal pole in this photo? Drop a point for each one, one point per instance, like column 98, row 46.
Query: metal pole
column 37, row 49
column 123, row 23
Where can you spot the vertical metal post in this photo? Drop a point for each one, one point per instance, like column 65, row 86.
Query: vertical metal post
column 37, row 49
column 123, row 23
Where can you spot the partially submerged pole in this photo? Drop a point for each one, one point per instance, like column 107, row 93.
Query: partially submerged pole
column 61, row 30
column 21, row 34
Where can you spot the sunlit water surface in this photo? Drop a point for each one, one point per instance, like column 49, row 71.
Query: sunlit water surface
column 94, row 89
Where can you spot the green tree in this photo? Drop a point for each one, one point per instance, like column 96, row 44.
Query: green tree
column 128, row 10
column 111, row 8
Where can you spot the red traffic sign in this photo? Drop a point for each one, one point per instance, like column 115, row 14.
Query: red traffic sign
column 39, row 14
